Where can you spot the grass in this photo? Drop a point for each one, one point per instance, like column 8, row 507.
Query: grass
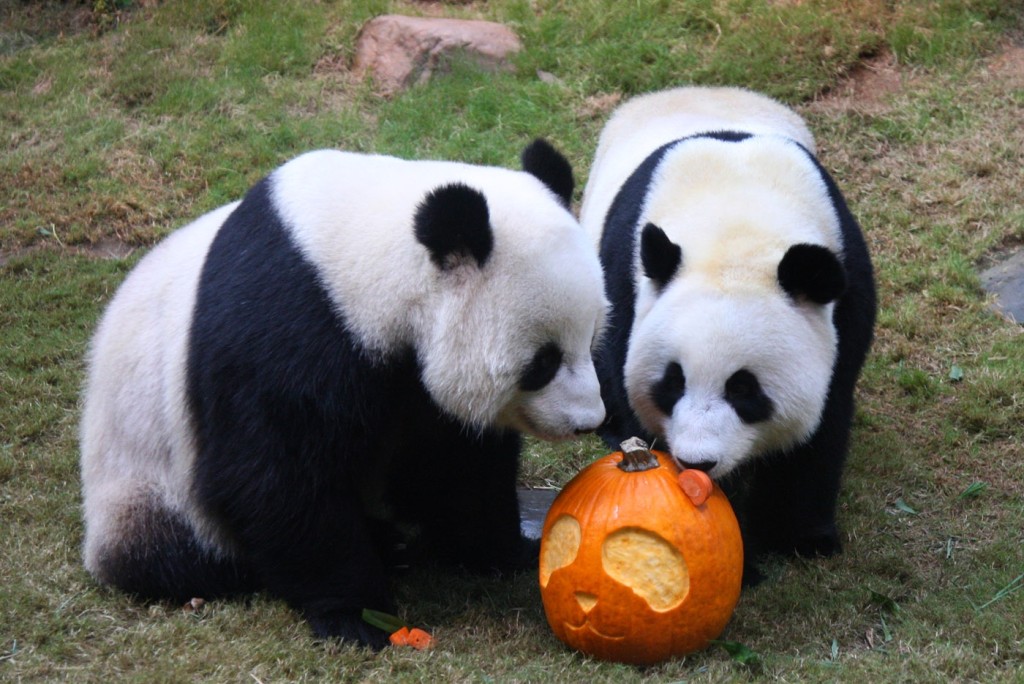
column 123, row 121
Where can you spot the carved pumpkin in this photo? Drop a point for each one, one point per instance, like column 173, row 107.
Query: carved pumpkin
column 632, row 570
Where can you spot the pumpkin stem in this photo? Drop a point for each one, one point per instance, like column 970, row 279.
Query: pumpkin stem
column 636, row 457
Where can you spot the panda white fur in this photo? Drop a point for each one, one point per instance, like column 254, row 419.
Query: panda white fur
column 743, row 304
column 360, row 338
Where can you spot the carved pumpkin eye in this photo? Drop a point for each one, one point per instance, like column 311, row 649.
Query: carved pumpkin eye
column 561, row 547
column 647, row 564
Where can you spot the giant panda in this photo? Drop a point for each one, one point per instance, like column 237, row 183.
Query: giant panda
column 355, row 346
column 743, row 304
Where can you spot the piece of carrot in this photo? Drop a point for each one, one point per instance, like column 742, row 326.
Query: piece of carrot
column 696, row 485
column 400, row 637
column 420, row 639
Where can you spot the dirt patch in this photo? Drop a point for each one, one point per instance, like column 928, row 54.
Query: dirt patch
column 599, row 106
column 24, row 23
column 867, row 88
column 105, row 248
column 1008, row 65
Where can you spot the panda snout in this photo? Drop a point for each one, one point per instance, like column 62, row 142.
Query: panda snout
column 591, row 420
column 590, row 426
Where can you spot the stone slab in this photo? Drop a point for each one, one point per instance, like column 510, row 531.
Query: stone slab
column 1006, row 281
column 533, row 507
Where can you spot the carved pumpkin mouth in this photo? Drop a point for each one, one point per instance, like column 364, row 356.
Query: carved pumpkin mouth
column 586, row 625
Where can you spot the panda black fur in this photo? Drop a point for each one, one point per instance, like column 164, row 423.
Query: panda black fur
column 360, row 340
column 743, row 304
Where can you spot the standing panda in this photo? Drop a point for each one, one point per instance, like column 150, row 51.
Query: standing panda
column 743, row 304
column 360, row 340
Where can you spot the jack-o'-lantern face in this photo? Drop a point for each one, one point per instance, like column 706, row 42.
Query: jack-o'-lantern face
column 631, row 570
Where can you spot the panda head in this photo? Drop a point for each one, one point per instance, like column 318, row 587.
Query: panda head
column 517, row 302
column 733, row 347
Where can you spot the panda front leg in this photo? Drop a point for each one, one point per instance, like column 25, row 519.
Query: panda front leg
column 466, row 503
column 491, row 539
column 790, row 507
column 329, row 571
column 311, row 547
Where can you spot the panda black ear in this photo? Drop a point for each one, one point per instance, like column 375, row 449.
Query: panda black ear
column 541, row 160
column 453, row 223
column 812, row 272
column 660, row 257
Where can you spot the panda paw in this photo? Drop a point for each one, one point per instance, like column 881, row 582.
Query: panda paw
column 822, row 544
column 529, row 554
column 525, row 555
column 349, row 626
column 752, row 575
column 817, row 543
column 806, row 542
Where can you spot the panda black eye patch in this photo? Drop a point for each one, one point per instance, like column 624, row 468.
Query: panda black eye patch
column 744, row 394
column 670, row 389
column 542, row 369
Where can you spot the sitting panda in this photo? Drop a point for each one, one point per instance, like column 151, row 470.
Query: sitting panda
column 743, row 304
column 360, row 341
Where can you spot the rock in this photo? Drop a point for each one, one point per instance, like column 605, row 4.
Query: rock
column 548, row 77
column 398, row 52
column 533, row 508
column 1006, row 281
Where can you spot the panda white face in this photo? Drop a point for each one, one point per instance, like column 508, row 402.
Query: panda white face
column 722, row 379
column 732, row 346
column 510, row 347
column 518, row 304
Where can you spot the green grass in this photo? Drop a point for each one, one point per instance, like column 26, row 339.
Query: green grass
column 120, row 125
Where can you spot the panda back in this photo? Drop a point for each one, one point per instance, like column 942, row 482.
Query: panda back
column 135, row 399
column 645, row 123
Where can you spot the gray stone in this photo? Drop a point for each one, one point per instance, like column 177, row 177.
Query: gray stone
column 533, row 508
column 1006, row 281
column 399, row 52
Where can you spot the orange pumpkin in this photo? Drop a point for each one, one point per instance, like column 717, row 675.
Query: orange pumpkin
column 632, row 570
